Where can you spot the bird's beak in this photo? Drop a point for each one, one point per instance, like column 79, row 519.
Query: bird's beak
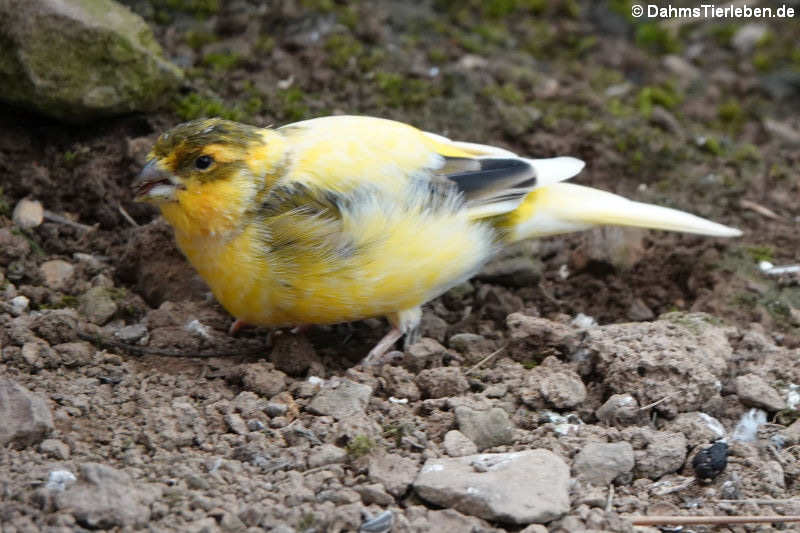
column 155, row 184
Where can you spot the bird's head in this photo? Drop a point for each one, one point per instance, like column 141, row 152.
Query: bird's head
column 203, row 173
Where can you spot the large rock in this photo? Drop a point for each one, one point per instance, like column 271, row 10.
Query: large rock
column 106, row 498
column 515, row 488
column 25, row 418
column 80, row 59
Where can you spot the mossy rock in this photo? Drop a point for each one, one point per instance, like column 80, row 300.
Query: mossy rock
column 77, row 60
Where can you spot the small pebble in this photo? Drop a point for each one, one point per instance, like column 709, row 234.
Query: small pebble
column 28, row 214
column 710, row 463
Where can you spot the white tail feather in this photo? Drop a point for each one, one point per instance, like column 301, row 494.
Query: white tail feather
column 565, row 207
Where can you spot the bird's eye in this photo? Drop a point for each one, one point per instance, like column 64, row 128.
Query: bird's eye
column 203, row 162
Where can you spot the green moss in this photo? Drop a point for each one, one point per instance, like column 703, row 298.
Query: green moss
column 341, row 48
column 764, row 61
column 293, row 106
column 527, row 365
column 657, row 39
column 761, row 253
column 723, row 33
column 198, row 8
column 265, row 44
column 197, row 39
column 730, row 112
column 5, row 205
column 665, row 95
column 222, row 61
column 711, row 145
column 359, row 446
column 507, row 93
column 195, row 105
column 401, row 92
column 747, row 152
column 306, row 522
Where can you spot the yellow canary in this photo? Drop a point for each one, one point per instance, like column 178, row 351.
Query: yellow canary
column 343, row 218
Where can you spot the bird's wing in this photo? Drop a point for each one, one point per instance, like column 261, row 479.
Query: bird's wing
column 344, row 153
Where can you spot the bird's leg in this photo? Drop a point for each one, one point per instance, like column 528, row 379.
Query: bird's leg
column 236, row 326
column 412, row 336
column 403, row 323
column 375, row 355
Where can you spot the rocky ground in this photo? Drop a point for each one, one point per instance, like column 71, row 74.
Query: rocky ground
column 567, row 387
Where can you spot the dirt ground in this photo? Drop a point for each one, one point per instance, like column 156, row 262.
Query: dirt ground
column 611, row 336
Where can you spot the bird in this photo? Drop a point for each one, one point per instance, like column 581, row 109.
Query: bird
column 342, row 218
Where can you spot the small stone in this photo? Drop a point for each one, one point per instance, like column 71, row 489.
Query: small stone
column 753, row 391
column 25, row 418
column 132, row 334
column 56, row 273
column 274, row 409
column 236, row 424
column 474, row 347
column 327, row 454
column 54, row 448
column 486, row 429
column 262, row 379
column 699, row 428
column 513, row 488
column 75, row 353
column 374, row 493
column 442, row 381
column 341, row 399
column 639, row 311
column 619, row 410
column 393, row 471
column 19, row 304
column 564, row 390
column 747, row 37
column 681, row 67
column 433, row 326
column 600, row 463
column 519, row 271
column 614, row 245
column 456, row 444
column 657, row 452
column 400, row 383
column 28, row 214
column 97, row 305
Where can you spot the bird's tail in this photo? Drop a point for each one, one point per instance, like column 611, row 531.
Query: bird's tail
column 565, row 207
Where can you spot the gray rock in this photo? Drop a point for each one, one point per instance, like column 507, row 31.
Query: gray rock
column 18, row 304
column 678, row 360
column 132, row 334
column 25, row 418
column 262, row 379
column 374, row 493
column 236, row 424
column 753, row 391
column 515, row 488
column 456, row 444
column 97, row 305
column 80, row 59
column 393, row 471
column 473, row 347
column 486, row 429
column 564, row 390
column 617, row 246
column 54, row 448
column 327, row 454
column 520, row 271
column 442, row 381
column 56, row 273
column 699, row 428
column 599, row 463
column 341, row 399
column 105, row 498
column 657, row 452
column 619, row 410
column 400, row 383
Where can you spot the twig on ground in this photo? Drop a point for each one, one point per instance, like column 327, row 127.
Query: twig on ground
column 484, row 360
column 55, row 217
column 126, row 216
column 710, row 520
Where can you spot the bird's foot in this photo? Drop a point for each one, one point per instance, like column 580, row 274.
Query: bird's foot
column 236, row 326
